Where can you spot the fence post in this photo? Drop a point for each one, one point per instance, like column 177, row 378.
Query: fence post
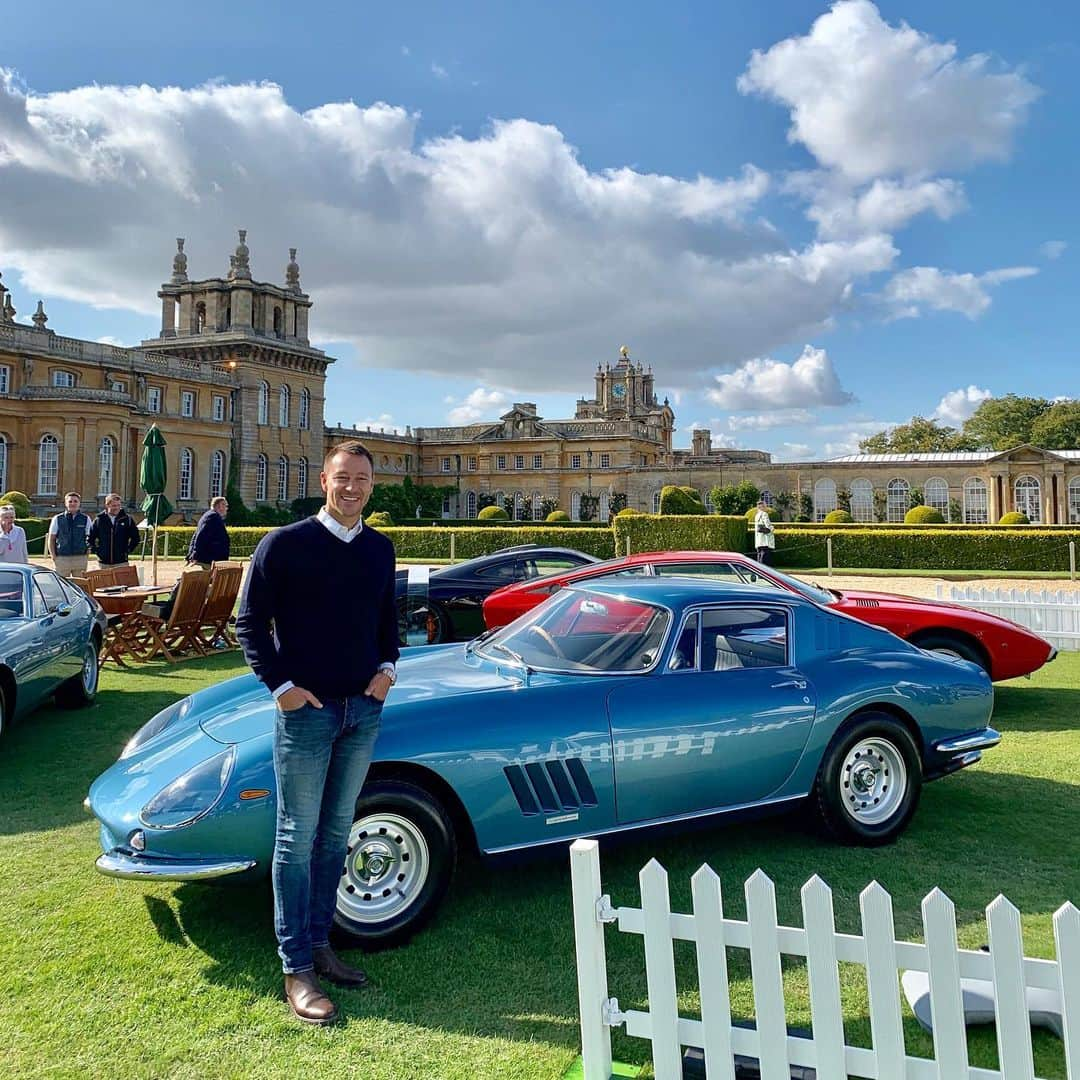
column 1072, row 560
column 828, row 553
column 591, row 959
column 628, row 545
column 453, row 548
column 166, row 552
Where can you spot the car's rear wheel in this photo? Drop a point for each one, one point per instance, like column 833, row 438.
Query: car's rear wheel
column 953, row 647
column 398, row 866
column 870, row 780
column 81, row 689
column 427, row 625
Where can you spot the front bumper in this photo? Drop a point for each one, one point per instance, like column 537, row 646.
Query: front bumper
column 125, row 863
column 958, row 752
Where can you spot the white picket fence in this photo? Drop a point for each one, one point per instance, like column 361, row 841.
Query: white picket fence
column 1005, row 965
column 1053, row 614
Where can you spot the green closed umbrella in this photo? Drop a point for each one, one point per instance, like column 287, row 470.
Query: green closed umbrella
column 153, row 472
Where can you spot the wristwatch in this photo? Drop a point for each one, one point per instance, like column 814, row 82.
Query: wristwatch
column 390, row 673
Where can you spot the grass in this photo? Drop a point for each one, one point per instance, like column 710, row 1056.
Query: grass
column 945, row 575
column 121, row 979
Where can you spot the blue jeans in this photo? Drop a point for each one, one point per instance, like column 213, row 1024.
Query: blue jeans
column 321, row 757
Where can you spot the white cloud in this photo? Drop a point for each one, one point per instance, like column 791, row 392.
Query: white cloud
column 383, row 422
column 481, row 404
column 765, row 421
column 108, row 339
column 910, row 292
column 843, row 446
column 405, row 50
column 869, row 99
column 1053, row 249
column 957, row 405
column 439, row 71
column 765, row 383
column 501, row 255
column 791, row 451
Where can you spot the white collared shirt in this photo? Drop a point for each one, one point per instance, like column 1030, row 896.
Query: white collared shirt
column 335, row 527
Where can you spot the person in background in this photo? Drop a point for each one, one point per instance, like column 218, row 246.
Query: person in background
column 210, row 544
column 12, row 537
column 764, row 540
column 69, row 538
column 114, row 534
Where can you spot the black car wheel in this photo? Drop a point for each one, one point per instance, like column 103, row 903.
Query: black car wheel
column 870, row 780
column 951, row 645
column 423, row 625
column 400, row 859
column 81, row 689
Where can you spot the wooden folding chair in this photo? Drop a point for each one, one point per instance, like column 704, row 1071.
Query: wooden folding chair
column 125, row 574
column 220, row 601
column 83, row 584
column 156, row 636
column 101, row 579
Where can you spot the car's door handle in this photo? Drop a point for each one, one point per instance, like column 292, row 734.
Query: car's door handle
column 794, row 684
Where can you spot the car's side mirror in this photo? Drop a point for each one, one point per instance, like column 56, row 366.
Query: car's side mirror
column 63, row 609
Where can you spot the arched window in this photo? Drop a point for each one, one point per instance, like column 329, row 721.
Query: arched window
column 305, row 409
column 470, row 504
column 824, row 498
column 277, row 322
column 862, row 500
column 264, row 403
column 899, row 500
column 261, row 469
column 519, row 505
column 48, row 464
column 1029, row 498
column 105, row 466
column 575, row 506
column 656, row 502
column 200, row 317
column 217, row 473
column 282, row 478
column 537, row 506
column 283, row 406
column 604, row 507
column 301, row 478
column 1074, row 499
column 3, row 463
column 976, row 505
column 936, row 495
column 185, row 485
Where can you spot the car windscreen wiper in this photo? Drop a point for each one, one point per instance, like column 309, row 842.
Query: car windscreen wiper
column 477, row 640
column 517, row 657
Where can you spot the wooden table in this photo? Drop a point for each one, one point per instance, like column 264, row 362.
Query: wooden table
column 126, row 603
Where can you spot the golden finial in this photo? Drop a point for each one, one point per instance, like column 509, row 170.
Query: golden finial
column 624, row 351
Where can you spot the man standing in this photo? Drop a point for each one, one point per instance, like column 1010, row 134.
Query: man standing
column 764, row 540
column 69, row 538
column 12, row 537
column 318, row 624
column 210, row 544
column 114, row 534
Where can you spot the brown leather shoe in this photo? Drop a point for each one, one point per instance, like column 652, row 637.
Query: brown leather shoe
column 308, row 1000
column 329, row 966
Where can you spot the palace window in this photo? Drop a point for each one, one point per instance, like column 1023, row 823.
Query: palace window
column 898, row 500
column 470, row 504
column 5, row 381
column 63, row 378
column 264, row 403
column 1074, row 499
column 1028, row 493
column 976, row 504
column 500, row 461
column 261, row 469
column 153, row 399
column 862, row 500
column 605, row 461
column 3, row 462
column 656, row 502
column 217, row 473
column 105, row 466
column 301, row 478
column 519, row 506
column 538, row 461
column 575, row 463
column 284, row 396
column 537, row 506
column 575, row 506
column 48, row 464
column 444, row 465
column 187, row 402
column 282, row 478
column 824, row 498
column 219, row 407
column 305, row 409
column 471, row 464
column 936, row 495
column 184, row 488
column 519, row 461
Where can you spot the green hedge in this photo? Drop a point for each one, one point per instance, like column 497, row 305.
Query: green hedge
column 35, row 529
column 413, row 543
column 677, row 532
column 936, row 547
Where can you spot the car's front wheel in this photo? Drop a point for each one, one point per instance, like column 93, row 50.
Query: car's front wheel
column 81, row 689
column 870, row 780
column 399, row 862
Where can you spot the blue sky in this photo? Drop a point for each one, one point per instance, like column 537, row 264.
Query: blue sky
column 811, row 220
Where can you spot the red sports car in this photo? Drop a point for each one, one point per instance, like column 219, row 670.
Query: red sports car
column 1003, row 648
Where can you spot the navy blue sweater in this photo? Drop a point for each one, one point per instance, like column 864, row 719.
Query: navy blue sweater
column 318, row 611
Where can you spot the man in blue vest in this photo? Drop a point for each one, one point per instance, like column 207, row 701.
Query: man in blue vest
column 210, row 544
column 69, row 538
column 114, row 534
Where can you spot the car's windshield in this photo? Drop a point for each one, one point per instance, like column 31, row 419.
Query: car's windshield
column 583, row 632
column 11, row 595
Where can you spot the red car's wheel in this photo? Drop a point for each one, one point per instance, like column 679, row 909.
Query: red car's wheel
column 953, row 646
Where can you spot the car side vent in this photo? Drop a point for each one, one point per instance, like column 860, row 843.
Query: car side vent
column 868, row 603
column 550, row 786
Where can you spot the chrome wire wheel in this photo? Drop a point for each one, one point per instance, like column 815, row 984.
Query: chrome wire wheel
column 90, row 670
column 873, row 781
column 386, row 867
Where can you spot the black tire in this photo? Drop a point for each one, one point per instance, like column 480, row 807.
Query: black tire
column 410, row 835
column 80, row 690
column 954, row 645
column 431, row 618
column 870, row 780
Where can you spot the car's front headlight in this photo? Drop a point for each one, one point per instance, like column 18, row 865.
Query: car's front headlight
column 192, row 795
column 156, row 725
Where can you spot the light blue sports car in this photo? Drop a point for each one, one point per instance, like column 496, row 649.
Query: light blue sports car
column 624, row 704
column 50, row 635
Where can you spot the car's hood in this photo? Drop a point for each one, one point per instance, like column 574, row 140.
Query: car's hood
column 860, row 598
column 439, row 671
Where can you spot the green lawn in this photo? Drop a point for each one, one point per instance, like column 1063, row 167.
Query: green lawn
column 118, row 979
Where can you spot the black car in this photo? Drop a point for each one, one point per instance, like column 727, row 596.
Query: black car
column 447, row 604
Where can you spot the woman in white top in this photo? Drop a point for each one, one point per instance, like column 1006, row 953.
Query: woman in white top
column 12, row 537
column 764, row 540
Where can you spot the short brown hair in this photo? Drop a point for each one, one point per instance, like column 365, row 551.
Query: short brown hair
column 69, row 494
column 217, row 501
column 350, row 446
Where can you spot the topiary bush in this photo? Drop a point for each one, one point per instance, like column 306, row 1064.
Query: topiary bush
column 19, row 501
column 924, row 515
column 838, row 517
column 629, row 511
column 1014, row 517
column 490, row 513
column 655, row 532
column 558, row 515
column 379, row 520
column 752, row 513
column 680, row 500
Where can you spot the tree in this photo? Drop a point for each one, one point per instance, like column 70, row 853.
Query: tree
column 1059, row 427
column 725, row 500
column 1004, row 422
column 784, row 501
column 747, row 495
column 918, row 436
column 588, row 507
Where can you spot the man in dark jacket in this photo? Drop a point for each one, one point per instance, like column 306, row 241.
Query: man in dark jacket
column 114, row 534
column 210, row 544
